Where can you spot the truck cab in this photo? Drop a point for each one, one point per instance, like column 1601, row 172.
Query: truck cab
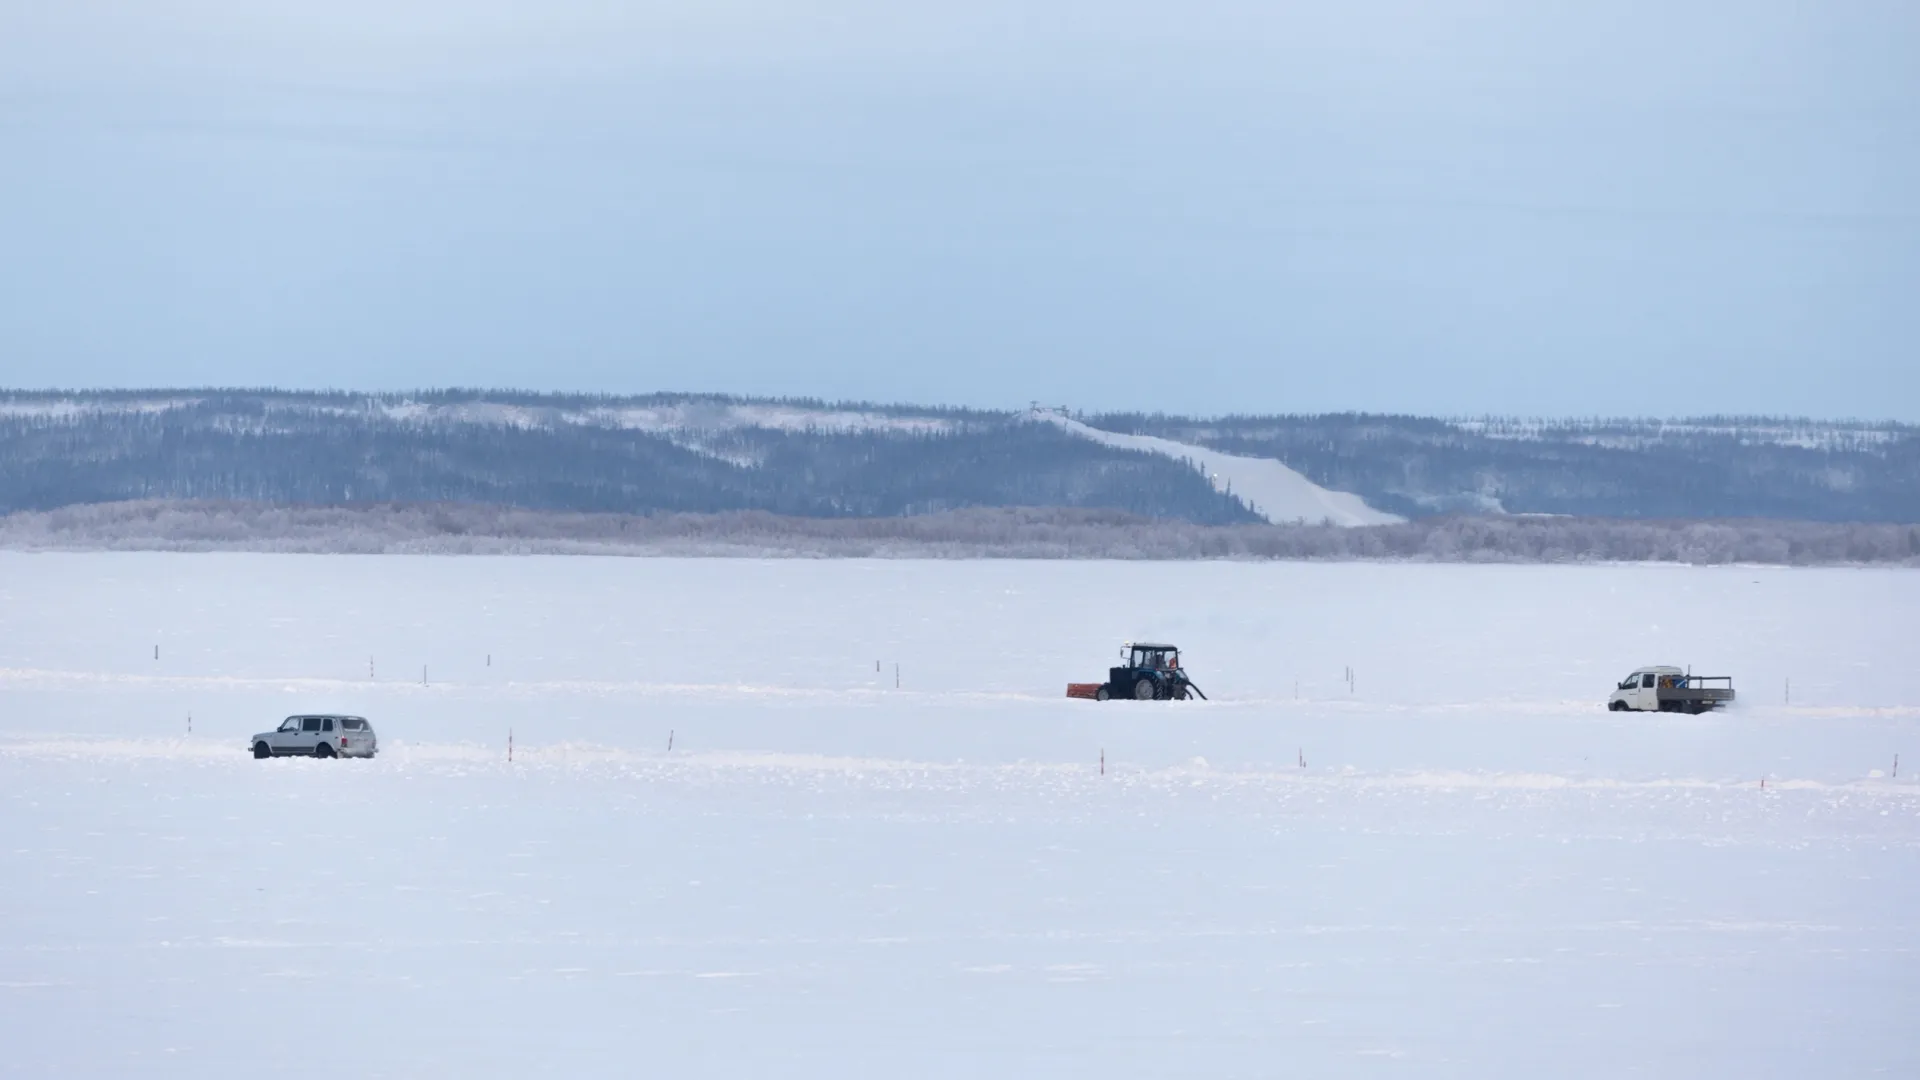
column 1640, row 691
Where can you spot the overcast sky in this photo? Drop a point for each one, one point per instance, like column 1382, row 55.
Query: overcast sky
column 1434, row 206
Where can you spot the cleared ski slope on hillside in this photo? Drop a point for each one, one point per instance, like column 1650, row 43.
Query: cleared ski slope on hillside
column 1477, row 872
column 1268, row 487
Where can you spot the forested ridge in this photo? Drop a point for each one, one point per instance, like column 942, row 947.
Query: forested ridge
column 302, row 449
column 799, row 458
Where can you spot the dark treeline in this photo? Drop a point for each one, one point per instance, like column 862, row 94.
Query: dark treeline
column 1715, row 467
column 975, row 533
column 250, row 447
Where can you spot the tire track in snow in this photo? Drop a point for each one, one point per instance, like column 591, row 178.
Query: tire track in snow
column 50, row 679
column 574, row 756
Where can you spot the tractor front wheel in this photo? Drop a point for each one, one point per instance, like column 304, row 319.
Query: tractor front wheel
column 1101, row 694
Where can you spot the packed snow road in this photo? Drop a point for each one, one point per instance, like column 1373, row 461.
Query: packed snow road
column 1477, row 872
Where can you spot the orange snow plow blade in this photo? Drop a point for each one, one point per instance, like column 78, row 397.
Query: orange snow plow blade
column 1083, row 689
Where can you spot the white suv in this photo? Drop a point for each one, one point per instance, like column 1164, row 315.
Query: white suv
column 319, row 735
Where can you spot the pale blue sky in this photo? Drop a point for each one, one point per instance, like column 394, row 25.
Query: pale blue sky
column 1411, row 205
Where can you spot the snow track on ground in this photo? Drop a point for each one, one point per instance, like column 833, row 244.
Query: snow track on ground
column 1268, row 487
column 885, row 772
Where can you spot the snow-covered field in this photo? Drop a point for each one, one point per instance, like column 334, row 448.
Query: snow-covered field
column 1478, row 872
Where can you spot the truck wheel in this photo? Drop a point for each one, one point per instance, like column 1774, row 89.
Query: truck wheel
column 1144, row 690
column 1101, row 694
column 260, row 751
column 323, row 750
column 1616, row 706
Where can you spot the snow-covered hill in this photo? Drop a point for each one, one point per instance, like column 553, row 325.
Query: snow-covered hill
column 1268, row 487
column 664, row 453
column 704, row 452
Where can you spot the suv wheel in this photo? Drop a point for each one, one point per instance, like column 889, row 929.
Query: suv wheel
column 260, row 750
column 323, row 750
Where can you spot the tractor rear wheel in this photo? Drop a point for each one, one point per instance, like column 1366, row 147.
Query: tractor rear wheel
column 1144, row 690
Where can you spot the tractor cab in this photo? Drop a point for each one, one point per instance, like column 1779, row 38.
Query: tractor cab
column 1152, row 657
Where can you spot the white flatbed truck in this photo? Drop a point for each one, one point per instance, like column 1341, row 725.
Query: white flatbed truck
column 1661, row 688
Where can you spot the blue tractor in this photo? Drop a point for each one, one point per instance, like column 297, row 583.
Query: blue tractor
column 1152, row 673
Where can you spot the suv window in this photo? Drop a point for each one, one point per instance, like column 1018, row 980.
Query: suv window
column 353, row 723
column 291, row 723
column 311, row 723
column 326, row 724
